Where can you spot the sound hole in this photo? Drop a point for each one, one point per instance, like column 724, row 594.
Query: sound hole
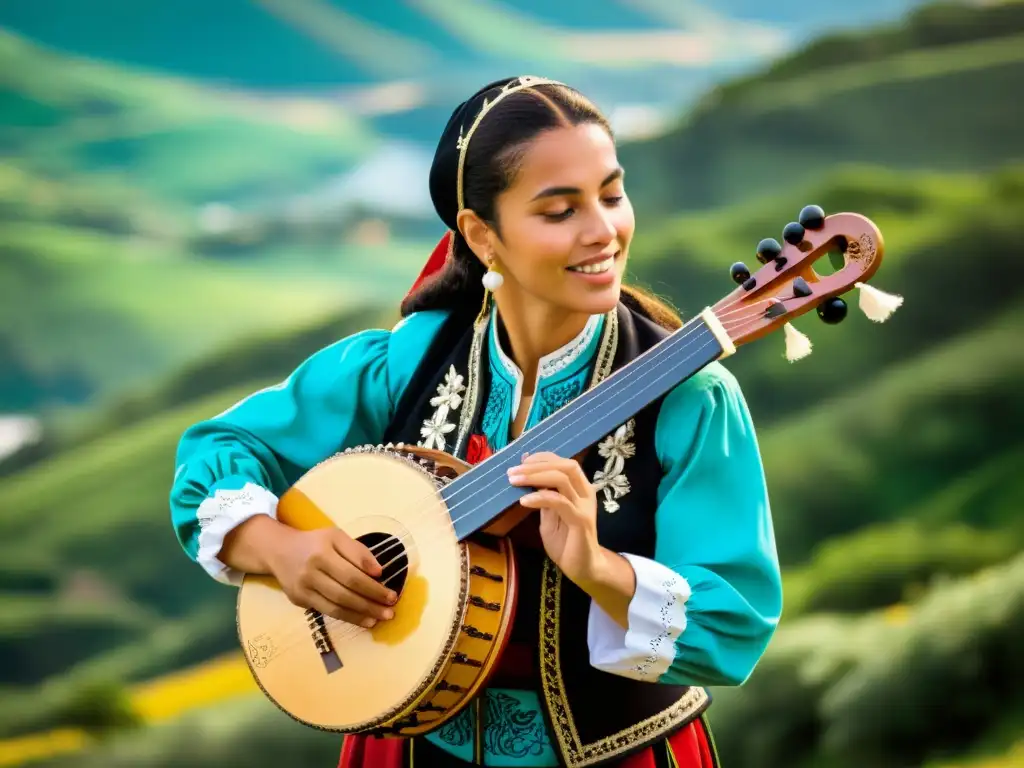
column 392, row 556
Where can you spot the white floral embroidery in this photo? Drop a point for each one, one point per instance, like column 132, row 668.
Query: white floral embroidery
column 567, row 355
column 434, row 430
column 661, row 646
column 446, row 401
column 449, row 392
column 611, row 480
column 230, row 504
column 646, row 649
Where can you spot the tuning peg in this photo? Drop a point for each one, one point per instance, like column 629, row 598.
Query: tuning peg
column 793, row 233
column 768, row 250
column 739, row 272
column 812, row 217
column 832, row 311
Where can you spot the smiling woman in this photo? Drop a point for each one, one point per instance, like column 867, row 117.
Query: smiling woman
column 648, row 571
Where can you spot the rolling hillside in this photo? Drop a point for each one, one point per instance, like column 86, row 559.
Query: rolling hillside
column 100, row 287
column 171, row 138
column 116, row 166
column 917, row 95
column 85, row 315
column 945, row 235
column 330, row 44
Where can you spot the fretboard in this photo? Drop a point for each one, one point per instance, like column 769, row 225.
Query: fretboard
column 478, row 496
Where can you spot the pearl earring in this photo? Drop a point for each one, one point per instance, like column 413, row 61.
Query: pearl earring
column 492, row 279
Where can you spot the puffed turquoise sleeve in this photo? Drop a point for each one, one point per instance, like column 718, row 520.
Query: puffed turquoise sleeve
column 237, row 464
column 709, row 601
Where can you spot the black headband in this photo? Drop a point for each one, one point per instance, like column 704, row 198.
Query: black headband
column 450, row 156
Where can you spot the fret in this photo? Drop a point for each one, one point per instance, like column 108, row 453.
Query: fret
column 482, row 493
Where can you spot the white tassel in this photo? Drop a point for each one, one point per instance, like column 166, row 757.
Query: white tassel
column 876, row 304
column 798, row 345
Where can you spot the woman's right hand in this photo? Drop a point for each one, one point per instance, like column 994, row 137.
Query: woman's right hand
column 329, row 571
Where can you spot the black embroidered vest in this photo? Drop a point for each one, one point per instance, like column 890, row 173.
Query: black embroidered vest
column 595, row 717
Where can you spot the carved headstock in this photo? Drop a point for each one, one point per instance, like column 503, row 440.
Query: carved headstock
column 787, row 285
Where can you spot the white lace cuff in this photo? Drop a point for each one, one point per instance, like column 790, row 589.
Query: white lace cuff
column 657, row 616
column 219, row 515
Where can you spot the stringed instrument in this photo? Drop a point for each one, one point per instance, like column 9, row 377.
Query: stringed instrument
column 418, row 510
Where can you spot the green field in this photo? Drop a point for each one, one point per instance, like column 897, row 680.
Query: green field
column 85, row 314
column 931, row 94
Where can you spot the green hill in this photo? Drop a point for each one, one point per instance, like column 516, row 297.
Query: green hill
column 85, row 314
column 901, row 439
column 916, row 96
column 104, row 287
column 450, row 47
column 104, row 283
column 945, row 235
column 163, row 135
column 874, row 690
column 104, row 201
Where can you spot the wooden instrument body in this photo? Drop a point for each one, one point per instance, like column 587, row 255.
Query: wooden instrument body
column 456, row 603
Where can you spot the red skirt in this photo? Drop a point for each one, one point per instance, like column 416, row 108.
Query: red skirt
column 690, row 747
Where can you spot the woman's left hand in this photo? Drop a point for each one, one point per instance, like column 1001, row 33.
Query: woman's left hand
column 568, row 512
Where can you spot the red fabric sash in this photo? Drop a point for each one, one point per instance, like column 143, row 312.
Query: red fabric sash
column 441, row 253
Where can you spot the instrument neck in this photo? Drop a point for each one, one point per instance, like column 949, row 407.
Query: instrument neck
column 483, row 493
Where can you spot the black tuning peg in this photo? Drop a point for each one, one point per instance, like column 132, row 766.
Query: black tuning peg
column 832, row 310
column 800, row 288
column 793, row 233
column 768, row 250
column 739, row 272
column 812, row 217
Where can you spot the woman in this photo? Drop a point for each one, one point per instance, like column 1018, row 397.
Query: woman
column 658, row 548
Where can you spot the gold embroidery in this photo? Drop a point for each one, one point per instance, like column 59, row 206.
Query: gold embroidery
column 574, row 752
column 673, row 763
column 606, row 349
column 462, row 144
column 473, row 385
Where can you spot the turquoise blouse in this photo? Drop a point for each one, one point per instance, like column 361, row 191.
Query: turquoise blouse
column 706, row 605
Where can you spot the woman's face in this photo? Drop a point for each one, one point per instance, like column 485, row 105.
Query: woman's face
column 566, row 223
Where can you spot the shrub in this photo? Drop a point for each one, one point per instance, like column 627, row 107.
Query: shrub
column 886, row 689
column 888, row 564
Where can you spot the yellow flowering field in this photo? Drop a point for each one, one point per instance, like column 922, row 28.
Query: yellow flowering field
column 162, row 698
column 214, row 681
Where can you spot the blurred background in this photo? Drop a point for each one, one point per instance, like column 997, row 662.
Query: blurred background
column 194, row 196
